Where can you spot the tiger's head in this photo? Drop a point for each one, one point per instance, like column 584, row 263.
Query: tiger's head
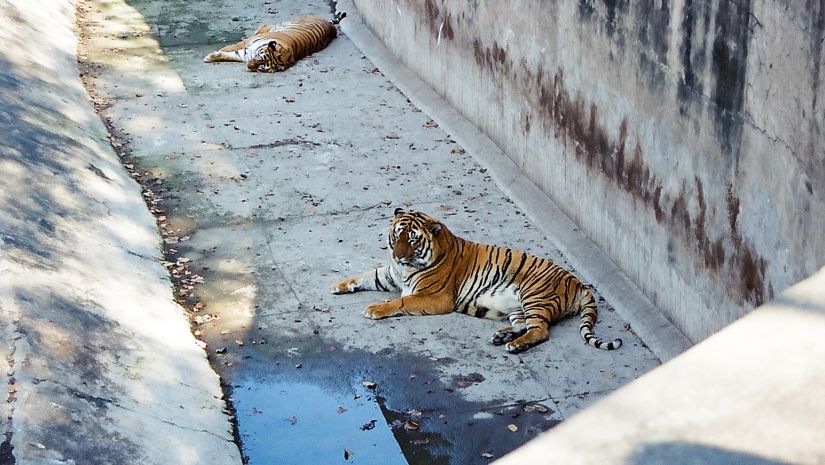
column 414, row 239
column 268, row 58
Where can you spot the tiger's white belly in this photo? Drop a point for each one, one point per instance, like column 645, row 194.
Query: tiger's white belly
column 494, row 305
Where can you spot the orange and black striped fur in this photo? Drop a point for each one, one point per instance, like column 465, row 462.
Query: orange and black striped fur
column 276, row 48
column 438, row 272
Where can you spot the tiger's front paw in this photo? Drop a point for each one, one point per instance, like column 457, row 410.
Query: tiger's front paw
column 377, row 312
column 506, row 334
column 344, row 287
column 211, row 57
column 515, row 347
column 501, row 336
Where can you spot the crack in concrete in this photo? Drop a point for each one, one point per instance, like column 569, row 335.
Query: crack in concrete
column 277, row 143
column 144, row 257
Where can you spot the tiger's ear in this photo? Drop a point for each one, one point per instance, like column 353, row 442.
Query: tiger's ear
column 398, row 211
column 272, row 44
column 435, row 228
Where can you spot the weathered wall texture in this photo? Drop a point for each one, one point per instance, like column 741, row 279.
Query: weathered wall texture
column 684, row 136
column 98, row 362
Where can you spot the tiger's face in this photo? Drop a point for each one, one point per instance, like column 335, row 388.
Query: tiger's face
column 267, row 59
column 412, row 239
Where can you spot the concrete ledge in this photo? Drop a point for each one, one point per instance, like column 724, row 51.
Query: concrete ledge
column 663, row 338
column 99, row 361
column 752, row 393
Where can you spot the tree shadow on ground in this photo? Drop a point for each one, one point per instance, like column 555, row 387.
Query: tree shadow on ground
column 686, row 453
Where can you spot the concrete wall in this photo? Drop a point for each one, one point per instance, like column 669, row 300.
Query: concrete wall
column 684, row 137
column 97, row 360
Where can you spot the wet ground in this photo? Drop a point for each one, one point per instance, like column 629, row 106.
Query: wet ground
column 270, row 187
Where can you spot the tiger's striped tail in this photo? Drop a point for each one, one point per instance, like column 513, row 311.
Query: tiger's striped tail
column 588, row 315
column 339, row 16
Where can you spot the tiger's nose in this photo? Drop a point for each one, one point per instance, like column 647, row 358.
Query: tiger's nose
column 401, row 250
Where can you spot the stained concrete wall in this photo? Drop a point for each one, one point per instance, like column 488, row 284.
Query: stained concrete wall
column 684, row 137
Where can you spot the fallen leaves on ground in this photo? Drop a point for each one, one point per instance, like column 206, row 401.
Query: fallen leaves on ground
column 469, row 380
column 536, row 408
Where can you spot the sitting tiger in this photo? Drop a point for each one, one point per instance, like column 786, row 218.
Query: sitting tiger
column 276, row 48
column 438, row 272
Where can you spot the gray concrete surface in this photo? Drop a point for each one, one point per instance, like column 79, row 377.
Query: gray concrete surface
column 750, row 394
column 685, row 138
column 99, row 363
column 270, row 187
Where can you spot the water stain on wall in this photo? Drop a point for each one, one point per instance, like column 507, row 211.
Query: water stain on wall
column 577, row 122
column 440, row 26
column 572, row 119
column 725, row 27
column 816, row 156
column 713, row 55
column 692, row 52
column 729, row 66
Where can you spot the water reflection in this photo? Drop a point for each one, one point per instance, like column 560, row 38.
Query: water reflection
column 282, row 423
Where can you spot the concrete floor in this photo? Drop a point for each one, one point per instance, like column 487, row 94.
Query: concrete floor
column 269, row 188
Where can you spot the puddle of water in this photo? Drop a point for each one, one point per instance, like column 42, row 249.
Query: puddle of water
column 299, row 423
column 309, row 406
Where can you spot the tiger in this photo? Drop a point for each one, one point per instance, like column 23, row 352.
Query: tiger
column 438, row 272
column 277, row 48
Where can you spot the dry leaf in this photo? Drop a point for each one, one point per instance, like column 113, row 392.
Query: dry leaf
column 411, row 425
column 347, row 454
column 341, row 409
column 369, row 384
column 513, row 428
column 487, row 455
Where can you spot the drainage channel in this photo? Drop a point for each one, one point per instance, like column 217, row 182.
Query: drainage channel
column 255, row 235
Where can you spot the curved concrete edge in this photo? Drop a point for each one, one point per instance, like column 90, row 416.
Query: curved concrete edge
column 99, row 361
column 647, row 321
column 751, row 393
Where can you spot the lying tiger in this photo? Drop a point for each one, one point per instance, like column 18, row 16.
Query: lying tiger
column 438, row 272
column 276, row 48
